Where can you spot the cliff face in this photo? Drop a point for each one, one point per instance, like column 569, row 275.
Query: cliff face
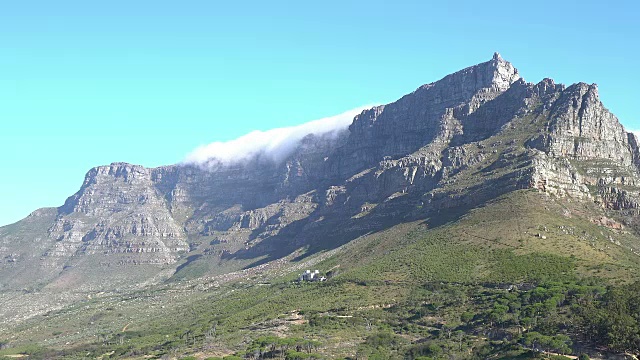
column 121, row 212
column 423, row 117
column 451, row 144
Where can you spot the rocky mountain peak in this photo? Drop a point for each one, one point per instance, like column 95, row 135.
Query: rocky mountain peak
column 581, row 127
column 431, row 112
column 502, row 72
column 496, row 74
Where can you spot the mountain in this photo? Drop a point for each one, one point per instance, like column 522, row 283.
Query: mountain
column 433, row 157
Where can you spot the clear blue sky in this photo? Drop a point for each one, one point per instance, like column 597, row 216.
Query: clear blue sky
column 86, row 83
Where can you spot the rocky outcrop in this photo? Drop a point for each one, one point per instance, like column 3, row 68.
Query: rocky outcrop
column 584, row 150
column 582, row 128
column 118, row 210
column 618, row 199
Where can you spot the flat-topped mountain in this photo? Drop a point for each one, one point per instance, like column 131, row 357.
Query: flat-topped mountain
column 448, row 146
column 479, row 216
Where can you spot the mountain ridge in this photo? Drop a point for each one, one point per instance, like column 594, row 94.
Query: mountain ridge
column 405, row 157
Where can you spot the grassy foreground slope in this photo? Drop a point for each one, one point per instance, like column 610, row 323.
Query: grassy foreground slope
column 523, row 272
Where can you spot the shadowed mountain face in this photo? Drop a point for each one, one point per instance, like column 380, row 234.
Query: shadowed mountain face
column 431, row 155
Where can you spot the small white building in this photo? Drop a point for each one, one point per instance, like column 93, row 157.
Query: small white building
column 309, row 275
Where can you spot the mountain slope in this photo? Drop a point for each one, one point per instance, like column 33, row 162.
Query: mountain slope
column 414, row 279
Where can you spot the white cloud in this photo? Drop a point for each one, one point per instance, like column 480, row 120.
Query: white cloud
column 275, row 144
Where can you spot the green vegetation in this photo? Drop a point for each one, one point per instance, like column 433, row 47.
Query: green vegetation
column 613, row 320
column 269, row 347
column 484, row 285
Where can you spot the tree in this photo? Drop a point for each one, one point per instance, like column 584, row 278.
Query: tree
column 466, row 317
column 560, row 344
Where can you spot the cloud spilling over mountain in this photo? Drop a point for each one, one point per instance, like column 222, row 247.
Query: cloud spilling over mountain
column 274, row 144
